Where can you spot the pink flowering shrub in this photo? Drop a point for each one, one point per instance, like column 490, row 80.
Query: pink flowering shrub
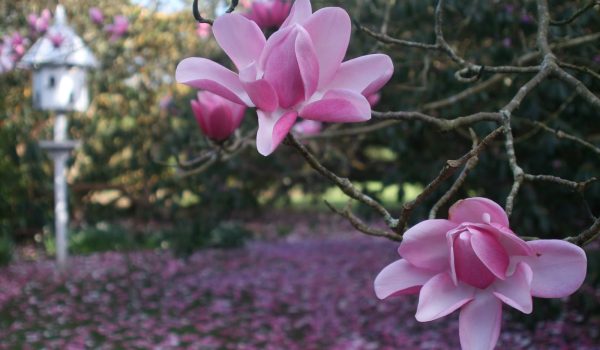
column 118, row 28
column 298, row 71
column 217, row 117
column 473, row 261
column 96, row 15
column 39, row 23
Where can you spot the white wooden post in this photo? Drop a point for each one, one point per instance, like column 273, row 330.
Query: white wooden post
column 61, row 211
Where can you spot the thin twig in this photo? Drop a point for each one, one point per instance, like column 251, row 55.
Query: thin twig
column 460, row 180
column 343, row 183
column 576, row 14
column 587, row 236
column 360, row 225
column 443, row 124
column 447, row 171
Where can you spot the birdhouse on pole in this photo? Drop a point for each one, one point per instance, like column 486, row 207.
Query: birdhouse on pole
column 60, row 61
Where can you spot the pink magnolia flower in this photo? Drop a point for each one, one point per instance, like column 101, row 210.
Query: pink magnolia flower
column 473, row 261
column 269, row 13
column 217, row 117
column 203, row 30
column 118, row 28
column 96, row 15
column 17, row 43
column 7, row 60
column 298, row 71
column 57, row 39
column 39, row 24
column 308, row 127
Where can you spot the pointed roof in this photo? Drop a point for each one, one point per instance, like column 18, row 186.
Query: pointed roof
column 71, row 50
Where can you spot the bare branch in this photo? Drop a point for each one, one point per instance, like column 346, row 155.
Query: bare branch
column 579, row 87
column 360, row 225
column 587, row 236
column 447, row 171
column 576, row 14
column 460, row 180
column 563, row 135
column 582, row 69
column 343, row 183
column 443, row 124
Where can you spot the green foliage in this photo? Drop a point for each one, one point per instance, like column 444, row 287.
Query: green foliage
column 99, row 238
column 190, row 236
column 6, row 249
column 229, row 235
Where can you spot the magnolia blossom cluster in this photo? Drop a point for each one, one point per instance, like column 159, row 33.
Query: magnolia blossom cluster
column 117, row 29
column 14, row 45
column 473, row 261
column 38, row 24
column 296, row 72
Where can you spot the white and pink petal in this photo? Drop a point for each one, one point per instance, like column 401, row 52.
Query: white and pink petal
column 400, row 277
column 329, row 29
column 201, row 73
column 272, row 129
column 440, row 297
column 478, row 210
column 338, row 106
column 424, row 245
column 300, row 12
column 479, row 322
column 516, row 290
column 365, row 74
column 240, row 38
column 559, row 268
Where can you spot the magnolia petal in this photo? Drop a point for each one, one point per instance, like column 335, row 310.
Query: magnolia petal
column 281, row 67
column 478, row 210
column 220, row 122
column 424, row 245
column 400, row 277
column 558, row 267
column 516, row 290
column 237, row 114
column 260, row 91
column 468, row 267
column 329, row 28
column 512, row 243
column 262, row 94
column 479, row 322
column 201, row 73
column 338, row 106
column 308, row 63
column 300, row 11
column 490, row 252
column 365, row 74
column 439, row 297
column 200, row 115
column 240, row 38
column 272, row 129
